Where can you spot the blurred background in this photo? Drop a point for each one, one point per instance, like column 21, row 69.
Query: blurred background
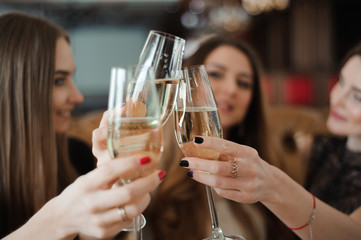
column 300, row 42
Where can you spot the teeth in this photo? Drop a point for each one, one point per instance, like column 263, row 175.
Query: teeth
column 64, row 113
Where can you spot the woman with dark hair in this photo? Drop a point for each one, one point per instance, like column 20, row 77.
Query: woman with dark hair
column 334, row 177
column 179, row 209
column 37, row 159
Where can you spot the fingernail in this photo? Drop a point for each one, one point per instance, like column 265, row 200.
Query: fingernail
column 198, row 140
column 162, row 175
column 144, row 160
column 184, row 163
column 190, row 174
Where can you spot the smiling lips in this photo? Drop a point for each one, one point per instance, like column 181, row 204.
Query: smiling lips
column 224, row 107
column 63, row 114
column 337, row 116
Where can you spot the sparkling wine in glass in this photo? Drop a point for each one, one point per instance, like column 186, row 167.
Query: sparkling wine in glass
column 196, row 114
column 134, row 124
column 164, row 52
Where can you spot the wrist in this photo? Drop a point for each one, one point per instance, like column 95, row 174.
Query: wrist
column 56, row 225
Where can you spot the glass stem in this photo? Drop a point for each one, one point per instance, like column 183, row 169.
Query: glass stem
column 137, row 228
column 217, row 233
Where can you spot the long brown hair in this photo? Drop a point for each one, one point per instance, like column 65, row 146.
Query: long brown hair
column 251, row 131
column 30, row 154
column 179, row 209
column 355, row 51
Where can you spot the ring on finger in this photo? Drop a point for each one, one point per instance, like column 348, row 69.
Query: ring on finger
column 234, row 169
column 123, row 214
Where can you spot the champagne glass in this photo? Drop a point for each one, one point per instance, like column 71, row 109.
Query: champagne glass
column 164, row 52
column 134, row 124
column 196, row 115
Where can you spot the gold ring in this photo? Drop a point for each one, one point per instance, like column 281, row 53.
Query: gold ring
column 234, row 169
column 123, row 215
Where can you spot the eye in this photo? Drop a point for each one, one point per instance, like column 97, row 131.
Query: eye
column 356, row 96
column 214, row 74
column 241, row 83
column 59, row 81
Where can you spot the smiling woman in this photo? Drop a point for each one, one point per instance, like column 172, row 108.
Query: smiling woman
column 65, row 93
column 332, row 207
column 40, row 166
column 235, row 76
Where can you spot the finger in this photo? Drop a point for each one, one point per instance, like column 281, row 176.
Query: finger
column 97, row 228
column 100, row 148
column 136, row 208
column 131, row 210
column 104, row 120
column 216, row 181
column 123, row 195
column 235, row 195
column 222, row 168
column 111, row 171
column 109, row 223
column 225, row 147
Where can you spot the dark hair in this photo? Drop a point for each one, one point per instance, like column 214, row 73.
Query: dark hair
column 32, row 155
column 180, row 206
column 252, row 130
column 356, row 50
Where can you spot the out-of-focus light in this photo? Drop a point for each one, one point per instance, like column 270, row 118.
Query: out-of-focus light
column 197, row 6
column 189, row 20
column 280, row 4
column 251, row 7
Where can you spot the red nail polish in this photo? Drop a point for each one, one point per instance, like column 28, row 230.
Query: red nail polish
column 162, row 175
column 144, row 160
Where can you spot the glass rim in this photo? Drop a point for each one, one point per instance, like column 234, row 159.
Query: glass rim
column 167, row 35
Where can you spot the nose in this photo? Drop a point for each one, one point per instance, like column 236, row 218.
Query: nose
column 230, row 85
column 75, row 97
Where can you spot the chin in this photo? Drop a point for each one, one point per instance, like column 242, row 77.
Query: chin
column 61, row 128
column 336, row 128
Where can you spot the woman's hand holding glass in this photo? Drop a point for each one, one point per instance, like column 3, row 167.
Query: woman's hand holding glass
column 250, row 183
column 90, row 208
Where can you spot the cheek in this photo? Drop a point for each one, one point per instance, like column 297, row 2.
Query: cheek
column 244, row 100
column 58, row 98
column 355, row 115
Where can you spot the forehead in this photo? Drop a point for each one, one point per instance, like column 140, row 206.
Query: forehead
column 230, row 57
column 351, row 71
column 63, row 55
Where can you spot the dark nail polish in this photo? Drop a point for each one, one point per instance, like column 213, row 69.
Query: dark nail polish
column 184, row 163
column 190, row 174
column 198, row 140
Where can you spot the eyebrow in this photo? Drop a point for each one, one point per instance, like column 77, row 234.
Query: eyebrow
column 353, row 88
column 356, row 89
column 62, row 72
column 242, row 74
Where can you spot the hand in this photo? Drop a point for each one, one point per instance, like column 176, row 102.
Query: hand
column 99, row 139
column 253, row 179
column 90, row 206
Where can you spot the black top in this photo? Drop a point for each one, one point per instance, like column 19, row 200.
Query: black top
column 81, row 156
column 335, row 173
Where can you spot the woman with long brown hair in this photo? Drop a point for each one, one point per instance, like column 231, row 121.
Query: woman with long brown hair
column 36, row 162
column 331, row 209
column 179, row 208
